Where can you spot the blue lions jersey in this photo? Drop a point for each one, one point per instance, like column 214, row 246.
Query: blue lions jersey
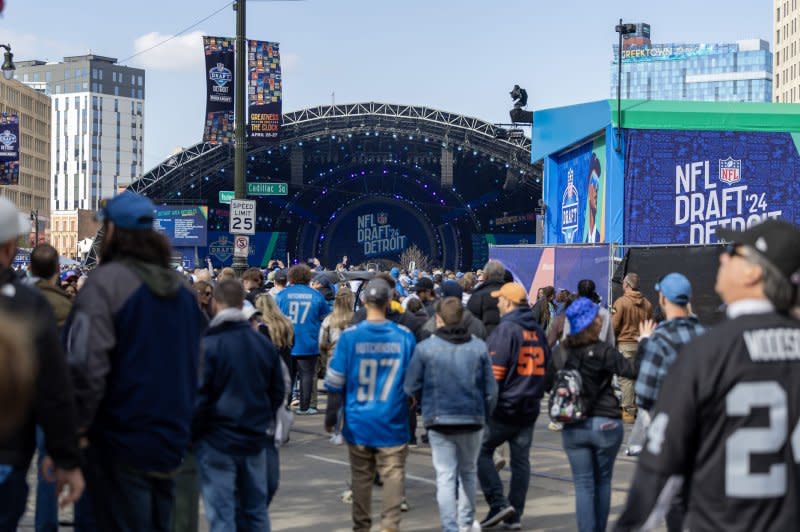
column 369, row 368
column 306, row 308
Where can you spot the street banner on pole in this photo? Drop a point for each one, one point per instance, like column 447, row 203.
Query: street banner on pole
column 265, row 91
column 219, row 53
column 9, row 149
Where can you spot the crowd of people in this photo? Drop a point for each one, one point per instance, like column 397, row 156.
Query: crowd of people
column 152, row 387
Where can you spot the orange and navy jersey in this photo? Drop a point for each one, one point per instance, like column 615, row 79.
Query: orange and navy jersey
column 520, row 353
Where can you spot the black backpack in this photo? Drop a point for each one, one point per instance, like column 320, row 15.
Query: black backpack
column 568, row 402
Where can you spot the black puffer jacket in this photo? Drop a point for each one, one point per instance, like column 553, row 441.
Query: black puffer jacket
column 483, row 306
column 597, row 364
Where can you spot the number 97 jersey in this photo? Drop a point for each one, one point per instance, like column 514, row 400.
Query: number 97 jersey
column 727, row 427
column 369, row 367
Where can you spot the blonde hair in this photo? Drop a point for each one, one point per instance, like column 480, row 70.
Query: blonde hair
column 281, row 331
column 227, row 273
column 342, row 313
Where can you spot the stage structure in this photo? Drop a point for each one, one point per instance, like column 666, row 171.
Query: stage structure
column 364, row 180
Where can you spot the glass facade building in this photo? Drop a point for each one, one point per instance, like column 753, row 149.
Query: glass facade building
column 724, row 72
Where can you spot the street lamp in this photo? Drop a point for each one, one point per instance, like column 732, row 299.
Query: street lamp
column 8, row 67
column 622, row 29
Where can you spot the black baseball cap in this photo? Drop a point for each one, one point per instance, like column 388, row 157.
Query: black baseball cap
column 775, row 240
column 423, row 284
column 377, row 292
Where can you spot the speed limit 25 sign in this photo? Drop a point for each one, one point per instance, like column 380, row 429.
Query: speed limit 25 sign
column 242, row 220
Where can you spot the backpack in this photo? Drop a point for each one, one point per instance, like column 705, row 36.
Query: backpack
column 568, row 402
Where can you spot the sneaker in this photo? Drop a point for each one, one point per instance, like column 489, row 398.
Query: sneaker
column 309, row 412
column 500, row 464
column 555, row 427
column 295, row 402
column 404, row 505
column 475, row 527
column 512, row 522
column 337, row 439
column 497, row 515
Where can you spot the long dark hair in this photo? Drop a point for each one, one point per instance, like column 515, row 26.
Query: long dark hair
column 147, row 246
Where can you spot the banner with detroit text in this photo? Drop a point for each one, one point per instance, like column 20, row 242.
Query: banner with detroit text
column 682, row 186
column 265, row 92
column 9, row 149
column 219, row 124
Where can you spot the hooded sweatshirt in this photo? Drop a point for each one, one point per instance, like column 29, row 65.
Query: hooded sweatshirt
column 519, row 353
column 629, row 311
column 133, row 342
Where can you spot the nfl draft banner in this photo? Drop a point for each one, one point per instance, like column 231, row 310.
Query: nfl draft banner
column 580, row 194
column 682, row 186
column 265, row 92
column 9, row 149
column 219, row 90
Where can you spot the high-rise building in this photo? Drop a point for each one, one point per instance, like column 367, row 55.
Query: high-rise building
column 713, row 72
column 97, row 143
column 786, row 83
column 32, row 194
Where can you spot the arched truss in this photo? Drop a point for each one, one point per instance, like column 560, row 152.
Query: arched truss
column 406, row 122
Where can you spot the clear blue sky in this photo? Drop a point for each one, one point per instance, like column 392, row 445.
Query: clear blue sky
column 461, row 56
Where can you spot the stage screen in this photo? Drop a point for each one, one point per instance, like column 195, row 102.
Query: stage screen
column 185, row 226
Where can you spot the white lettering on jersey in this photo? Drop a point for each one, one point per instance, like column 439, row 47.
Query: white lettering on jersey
column 363, row 348
column 300, row 296
column 767, row 345
column 655, row 433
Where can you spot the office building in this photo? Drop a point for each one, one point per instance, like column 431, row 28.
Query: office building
column 32, row 194
column 786, row 82
column 98, row 126
column 712, row 72
column 68, row 228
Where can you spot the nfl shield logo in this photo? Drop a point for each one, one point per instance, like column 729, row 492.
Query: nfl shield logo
column 383, row 218
column 730, row 170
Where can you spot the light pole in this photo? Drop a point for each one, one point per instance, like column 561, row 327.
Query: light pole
column 240, row 138
column 622, row 29
column 8, row 67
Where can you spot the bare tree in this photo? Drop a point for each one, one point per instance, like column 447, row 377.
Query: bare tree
column 413, row 254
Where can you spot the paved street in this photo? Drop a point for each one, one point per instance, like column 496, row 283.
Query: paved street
column 315, row 473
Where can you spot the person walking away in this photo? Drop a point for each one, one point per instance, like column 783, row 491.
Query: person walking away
column 278, row 330
column 306, row 308
column 591, row 444
column 451, row 376
column 366, row 375
column 519, row 352
column 658, row 350
column 481, row 303
column 331, row 330
column 133, row 342
column 726, row 420
column 240, row 391
column 630, row 310
column 473, row 325
column 52, row 406
column 544, row 310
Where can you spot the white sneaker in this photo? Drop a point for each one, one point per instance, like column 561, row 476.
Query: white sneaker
column 337, row 439
column 476, row 527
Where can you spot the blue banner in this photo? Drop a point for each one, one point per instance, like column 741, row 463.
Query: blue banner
column 578, row 202
column 264, row 246
column 184, row 226
column 9, row 149
column 681, row 186
column 219, row 52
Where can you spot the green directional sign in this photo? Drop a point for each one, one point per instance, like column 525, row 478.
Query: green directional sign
column 257, row 189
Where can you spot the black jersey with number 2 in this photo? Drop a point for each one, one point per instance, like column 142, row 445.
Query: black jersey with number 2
column 726, row 428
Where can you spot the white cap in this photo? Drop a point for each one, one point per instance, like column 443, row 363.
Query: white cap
column 13, row 223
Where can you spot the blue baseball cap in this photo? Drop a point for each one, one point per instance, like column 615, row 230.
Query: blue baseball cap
column 676, row 288
column 395, row 272
column 581, row 313
column 128, row 211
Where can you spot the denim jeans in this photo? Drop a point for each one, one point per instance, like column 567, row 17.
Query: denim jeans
column 306, row 368
column 13, row 494
column 46, row 518
column 234, row 489
column 591, row 448
column 519, row 438
column 273, row 470
column 455, row 458
column 126, row 499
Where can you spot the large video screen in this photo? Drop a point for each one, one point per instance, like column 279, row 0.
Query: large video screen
column 185, row 226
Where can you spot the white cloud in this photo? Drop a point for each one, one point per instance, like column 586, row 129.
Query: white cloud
column 29, row 46
column 183, row 53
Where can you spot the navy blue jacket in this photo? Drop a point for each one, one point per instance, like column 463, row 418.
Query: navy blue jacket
column 241, row 387
column 520, row 354
column 450, row 374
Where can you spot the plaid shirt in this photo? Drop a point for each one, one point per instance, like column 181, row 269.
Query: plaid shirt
column 657, row 353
